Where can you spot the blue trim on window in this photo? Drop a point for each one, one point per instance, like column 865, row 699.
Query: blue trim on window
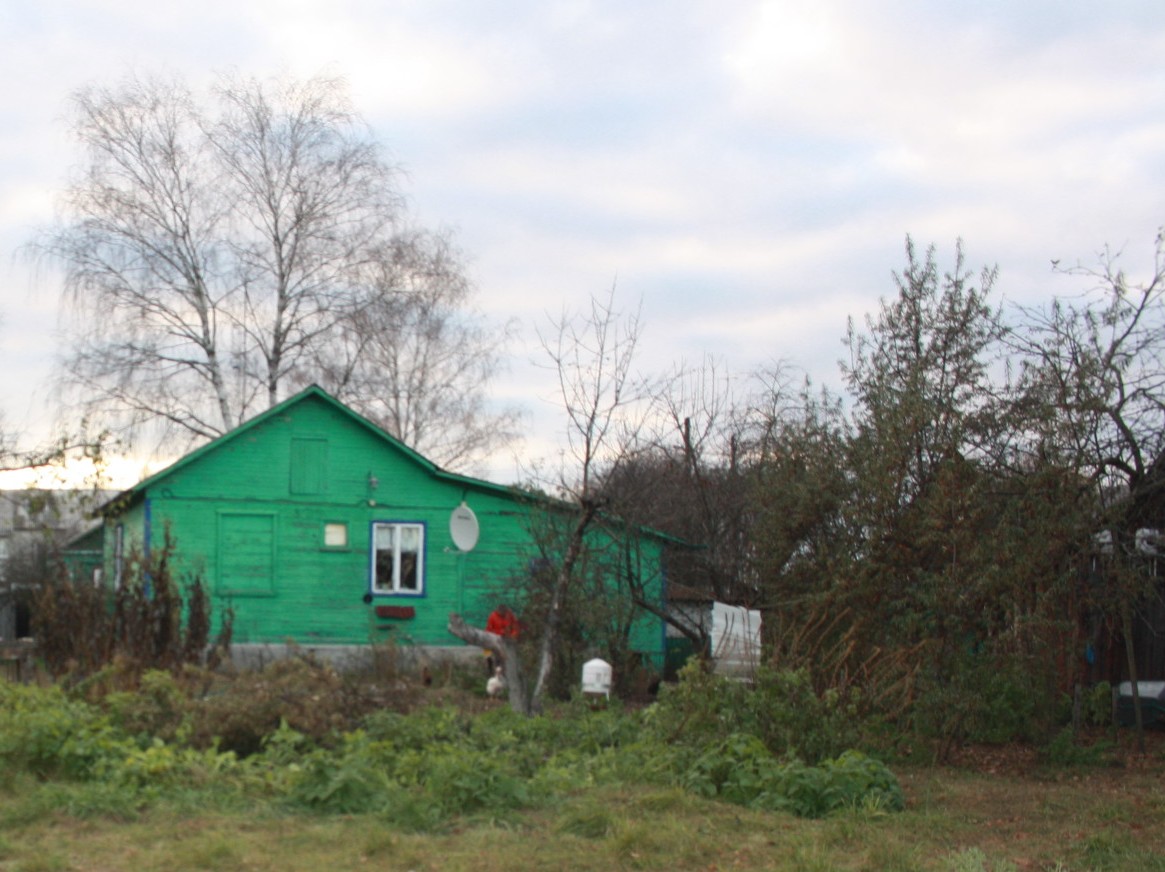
column 424, row 591
column 147, row 534
column 147, row 526
column 118, row 555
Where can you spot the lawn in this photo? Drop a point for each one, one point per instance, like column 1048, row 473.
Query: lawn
column 1019, row 816
column 165, row 779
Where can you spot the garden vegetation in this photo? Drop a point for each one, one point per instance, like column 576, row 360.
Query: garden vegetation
column 298, row 766
column 129, row 750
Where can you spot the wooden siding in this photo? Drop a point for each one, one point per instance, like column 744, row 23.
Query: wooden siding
column 310, row 465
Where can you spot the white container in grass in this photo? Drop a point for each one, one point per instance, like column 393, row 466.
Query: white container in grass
column 596, row 677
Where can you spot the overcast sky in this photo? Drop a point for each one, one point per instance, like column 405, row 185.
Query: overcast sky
column 747, row 170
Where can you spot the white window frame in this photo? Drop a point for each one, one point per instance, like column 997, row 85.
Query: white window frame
column 396, row 530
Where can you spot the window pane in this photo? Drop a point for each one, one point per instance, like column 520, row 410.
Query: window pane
column 335, row 535
column 384, row 566
column 410, row 558
column 408, row 571
column 410, row 539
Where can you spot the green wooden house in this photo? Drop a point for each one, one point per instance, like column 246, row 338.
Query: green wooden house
column 320, row 529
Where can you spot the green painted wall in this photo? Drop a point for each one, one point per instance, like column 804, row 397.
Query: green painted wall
column 248, row 513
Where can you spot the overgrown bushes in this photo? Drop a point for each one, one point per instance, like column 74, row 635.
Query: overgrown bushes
column 988, row 699
column 741, row 770
column 45, row 733
column 239, row 712
column 416, row 770
column 780, row 708
column 309, row 696
column 150, row 620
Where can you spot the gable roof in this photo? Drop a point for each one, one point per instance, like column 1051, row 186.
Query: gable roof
column 133, row 494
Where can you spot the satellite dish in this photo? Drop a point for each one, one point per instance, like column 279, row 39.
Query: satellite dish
column 463, row 528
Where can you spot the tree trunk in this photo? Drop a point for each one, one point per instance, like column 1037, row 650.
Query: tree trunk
column 520, row 700
column 1127, row 628
column 587, row 510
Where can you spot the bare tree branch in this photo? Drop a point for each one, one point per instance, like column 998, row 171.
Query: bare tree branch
column 217, row 251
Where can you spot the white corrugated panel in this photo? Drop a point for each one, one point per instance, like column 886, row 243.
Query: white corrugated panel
column 735, row 639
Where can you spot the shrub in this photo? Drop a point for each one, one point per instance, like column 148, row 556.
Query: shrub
column 351, row 779
column 151, row 621
column 1098, row 705
column 460, row 780
column 158, row 709
column 780, row 708
column 45, row 733
column 50, row 736
column 311, row 697
column 157, row 765
column 424, row 784
column 1064, row 750
column 858, row 781
column 425, row 726
column 741, row 770
column 984, row 698
column 735, row 768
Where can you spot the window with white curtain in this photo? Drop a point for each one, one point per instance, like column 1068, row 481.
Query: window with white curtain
column 398, row 558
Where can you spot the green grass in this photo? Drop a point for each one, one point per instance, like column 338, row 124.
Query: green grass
column 954, row 820
column 449, row 789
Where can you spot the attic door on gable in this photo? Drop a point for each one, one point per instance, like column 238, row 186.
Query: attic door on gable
column 309, row 465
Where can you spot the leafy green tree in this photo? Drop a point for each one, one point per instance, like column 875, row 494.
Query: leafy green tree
column 924, row 418
column 1095, row 368
column 910, row 544
column 801, row 490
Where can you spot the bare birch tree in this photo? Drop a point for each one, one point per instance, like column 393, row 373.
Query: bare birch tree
column 603, row 399
column 213, row 250
column 412, row 355
column 204, row 248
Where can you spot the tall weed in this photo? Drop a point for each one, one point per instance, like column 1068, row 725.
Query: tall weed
column 152, row 620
